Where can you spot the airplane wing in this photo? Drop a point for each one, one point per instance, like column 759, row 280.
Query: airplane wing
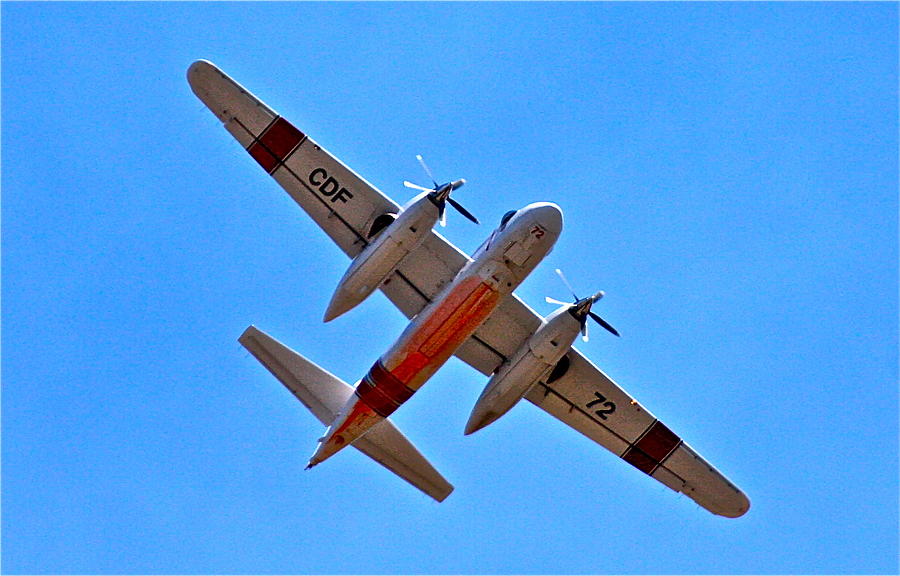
column 589, row 401
column 345, row 206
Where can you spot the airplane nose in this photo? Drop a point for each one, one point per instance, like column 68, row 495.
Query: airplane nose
column 548, row 215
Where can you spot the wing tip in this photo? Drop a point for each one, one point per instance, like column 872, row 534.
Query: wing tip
column 442, row 494
column 199, row 65
column 221, row 93
column 198, row 72
column 205, row 78
column 249, row 332
column 733, row 505
column 739, row 506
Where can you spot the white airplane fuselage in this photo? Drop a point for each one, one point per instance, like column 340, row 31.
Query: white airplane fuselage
column 497, row 268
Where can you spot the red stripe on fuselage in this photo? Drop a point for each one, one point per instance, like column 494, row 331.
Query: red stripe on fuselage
column 382, row 391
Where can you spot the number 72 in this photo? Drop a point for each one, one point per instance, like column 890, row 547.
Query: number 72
column 607, row 409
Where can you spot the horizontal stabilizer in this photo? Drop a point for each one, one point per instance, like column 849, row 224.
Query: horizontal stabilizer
column 324, row 394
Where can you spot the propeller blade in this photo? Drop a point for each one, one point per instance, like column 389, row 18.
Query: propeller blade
column 584, row 332
column 443, row 215
column 603, row 323
column 427, row 170
column 409, row 184
column 555, row 301
column 566, row 282
column 462, row 210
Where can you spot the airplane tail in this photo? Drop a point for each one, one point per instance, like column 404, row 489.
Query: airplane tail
column 324, row 395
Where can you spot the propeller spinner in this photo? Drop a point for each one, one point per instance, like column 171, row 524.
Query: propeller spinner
column 440, row 194
column 581, row 308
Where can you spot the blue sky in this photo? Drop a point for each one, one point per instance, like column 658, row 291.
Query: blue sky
column 729, row 176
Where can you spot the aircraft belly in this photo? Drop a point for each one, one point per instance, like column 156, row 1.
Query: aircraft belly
column 517, row 253
column 359, row 420
column 418, row 354
column 351, row 423
column 432, row 340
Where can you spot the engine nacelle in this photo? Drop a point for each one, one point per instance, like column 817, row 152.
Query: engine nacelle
column 530, row 364
column 382, row 256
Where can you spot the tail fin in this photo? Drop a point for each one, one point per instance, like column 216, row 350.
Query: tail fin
column 324, row 394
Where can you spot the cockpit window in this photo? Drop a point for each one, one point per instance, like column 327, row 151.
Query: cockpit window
column 506, row 218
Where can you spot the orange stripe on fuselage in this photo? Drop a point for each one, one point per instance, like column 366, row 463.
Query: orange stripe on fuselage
column 414, row 363
column 384, row 389
column 454, row 320
column 461, row 318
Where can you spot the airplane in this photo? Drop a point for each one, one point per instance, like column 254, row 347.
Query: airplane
column 458, row 305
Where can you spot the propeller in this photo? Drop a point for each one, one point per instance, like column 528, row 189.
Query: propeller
column 440, row 194
column 581, row 308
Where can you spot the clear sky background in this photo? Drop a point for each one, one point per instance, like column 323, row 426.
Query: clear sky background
column 728, row 175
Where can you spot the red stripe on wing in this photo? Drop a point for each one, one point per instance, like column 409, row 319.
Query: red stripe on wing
column 275, row 144
column 652, row 448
